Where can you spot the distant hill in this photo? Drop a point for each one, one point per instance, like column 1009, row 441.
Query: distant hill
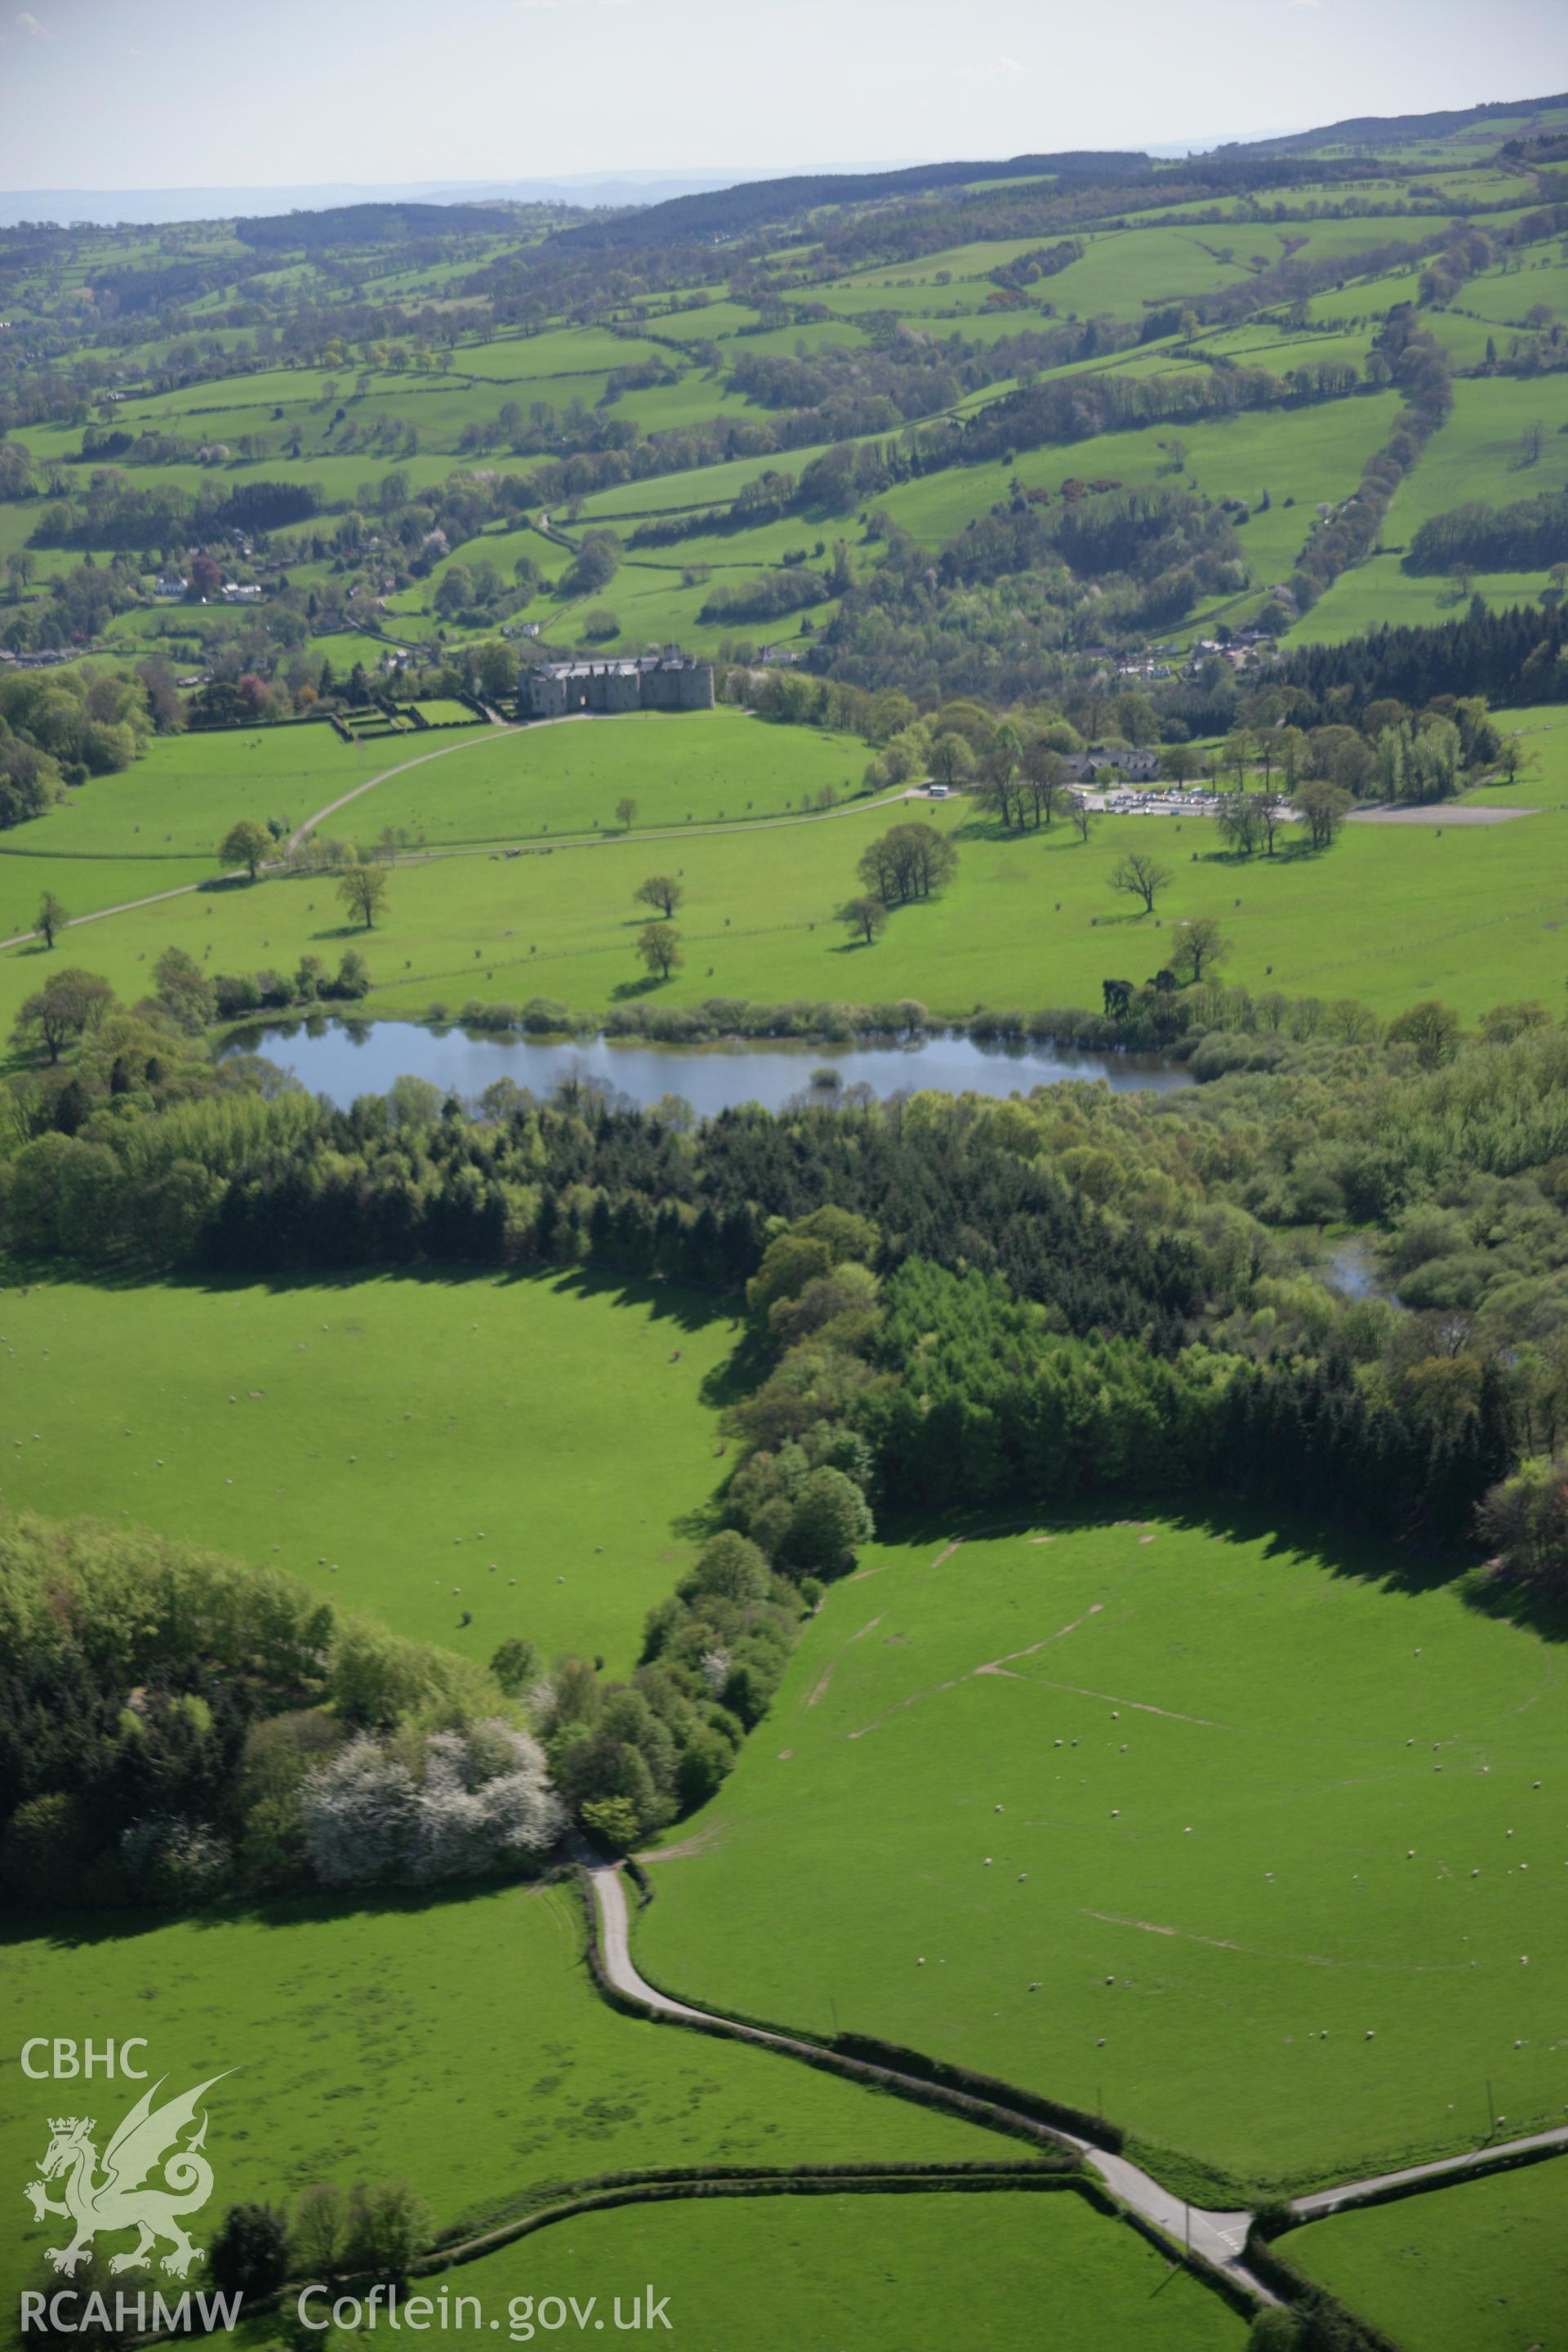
column 731, row 212
column 1383, row 130
column 382, row 223
column 578, row 192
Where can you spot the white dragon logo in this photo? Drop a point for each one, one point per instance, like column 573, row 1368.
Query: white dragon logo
column 119, row 2201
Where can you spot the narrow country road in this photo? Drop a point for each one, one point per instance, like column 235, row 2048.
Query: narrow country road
column 1219, row 2238
column 1357, row 2192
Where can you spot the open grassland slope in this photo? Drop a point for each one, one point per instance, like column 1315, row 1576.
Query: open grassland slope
column 1391, row 915
column 1482, row 2267
column 1481, row 452
column 1259, row 1852
column 570, row 778
column 423, row 1448
column 997, row 2273
column 158, row 824
column 457, row 2044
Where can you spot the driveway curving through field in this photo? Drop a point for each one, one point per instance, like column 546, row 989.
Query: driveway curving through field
column 1219, row 2239
column 490, row 848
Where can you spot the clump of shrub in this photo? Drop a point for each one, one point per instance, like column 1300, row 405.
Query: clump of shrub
column 197, row 1727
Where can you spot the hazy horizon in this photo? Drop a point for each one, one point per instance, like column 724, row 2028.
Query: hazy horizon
column 171, row 100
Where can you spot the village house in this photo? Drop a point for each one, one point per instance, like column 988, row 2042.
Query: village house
column 1134, row 764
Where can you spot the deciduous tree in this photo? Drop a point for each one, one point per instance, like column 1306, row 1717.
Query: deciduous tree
column 1238, row 817
column 363, row 892
column 249, row 2251
column 952, row 760
column 1323, row 808
column 246, row 844
column 65, row 1007
column 864, row 918
column 911, row 861
column 1139, row 877
column 1432, row 1028
column 51, row 917
column 659, row 947
column 1046, row 777
column 1201, row 947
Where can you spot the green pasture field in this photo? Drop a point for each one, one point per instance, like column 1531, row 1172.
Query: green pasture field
column 998, row 2272
column 439, row 713
column 85, row 885
column 1379, row 591
column 701, row 486
column 965, row 265
column 1362, row 301
column 717, row 319
column 654, row 608
column 417, row 1447
column 1258, row 1847
column 811, row 335
column 671, row 407
column 1478, row 454
column 1465, row 338
column 500, row 547
column 158, row 824
column 1504, row 295
column 53, row 562
column 1121, row 270
column 1482, row 185
column 337, row 477
column 561, row 351
column 991, row 326
column 1306, row 455
column 1543, row 783
column 971, row 400
column 1261, row 344
column 16, row 523
column 1392, row 914
column 343, row 647
column 737, row 553
column 1348, row 240
column 567, row 778
column 1482, row 2266
column 455, row 2044
column 183, row 793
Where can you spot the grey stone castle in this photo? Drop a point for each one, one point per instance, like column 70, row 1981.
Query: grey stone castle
column 666, row 681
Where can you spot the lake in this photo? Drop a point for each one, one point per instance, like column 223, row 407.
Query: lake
column 341, row 1059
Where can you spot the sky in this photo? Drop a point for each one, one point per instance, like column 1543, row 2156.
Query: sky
column 130, row 94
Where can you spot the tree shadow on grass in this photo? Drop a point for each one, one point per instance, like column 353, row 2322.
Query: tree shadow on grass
column 684, row 1306
column 1515, row 1600
column 1287, row 1537
column 71, row 1930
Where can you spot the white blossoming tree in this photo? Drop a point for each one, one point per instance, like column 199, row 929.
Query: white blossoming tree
column 483, row 1798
